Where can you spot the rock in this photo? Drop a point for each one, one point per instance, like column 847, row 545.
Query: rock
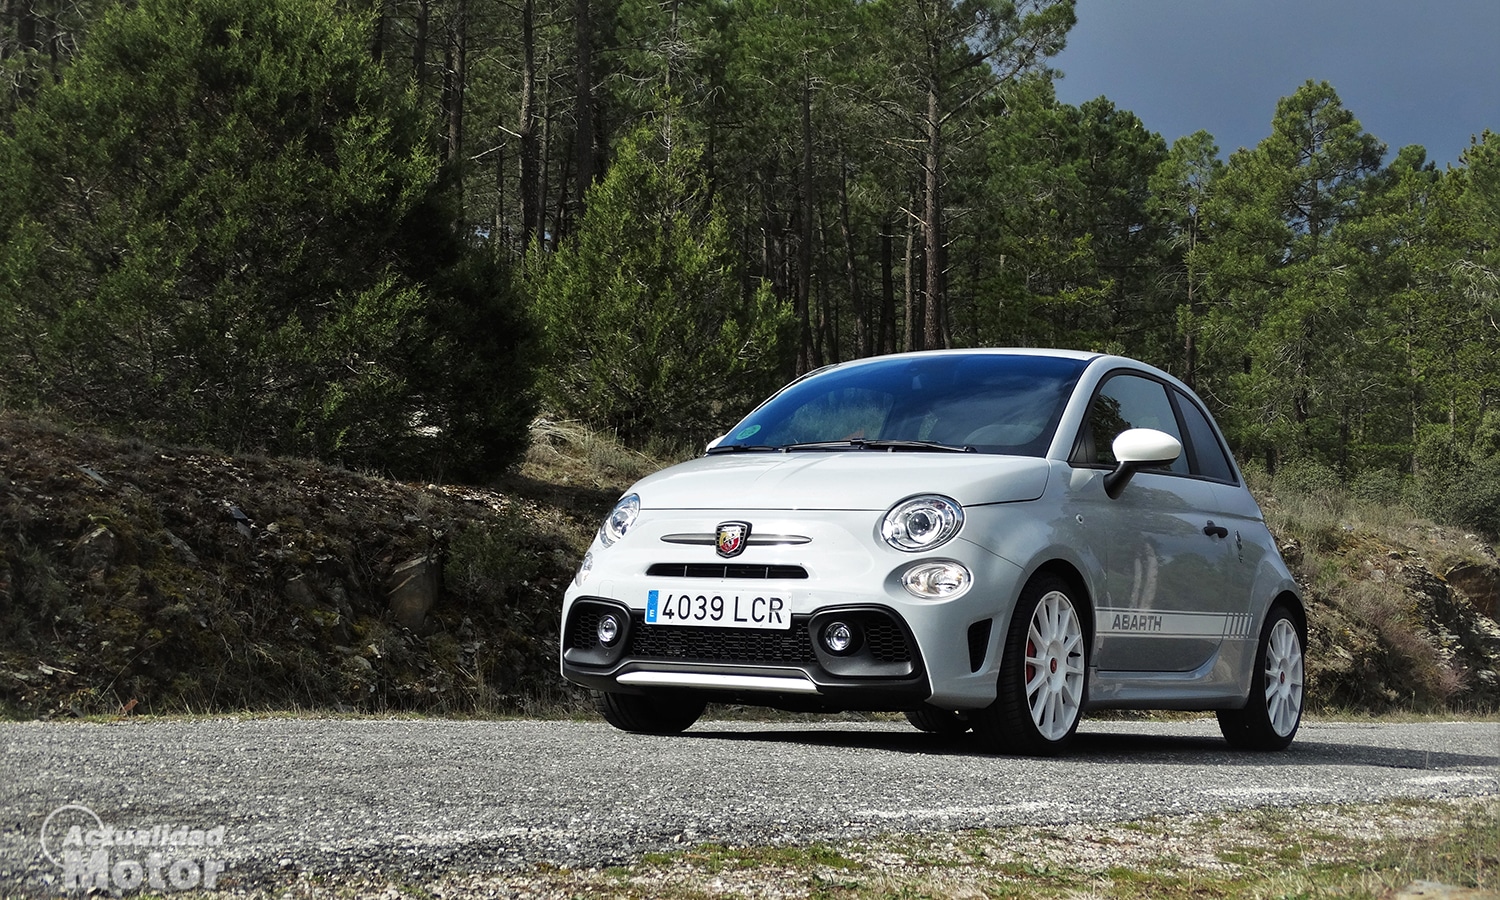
column 1481, row 584
column 95, row 551
column 299, row 593
column 1432, row 890
column 181, row 548
column 412, row 590
column 94, row 475
column 242, row 522
column 1291, row 552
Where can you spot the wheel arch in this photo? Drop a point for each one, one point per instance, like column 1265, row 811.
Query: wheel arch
column 1070, row 574
column 1293, row 604
column 1077, row 583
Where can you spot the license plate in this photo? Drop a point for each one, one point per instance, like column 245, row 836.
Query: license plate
column 718, row 609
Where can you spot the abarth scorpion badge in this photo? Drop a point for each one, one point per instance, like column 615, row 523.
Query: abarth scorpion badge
column 731, row 538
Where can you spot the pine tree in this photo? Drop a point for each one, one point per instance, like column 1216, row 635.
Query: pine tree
column 646, row 327
column 224, row 225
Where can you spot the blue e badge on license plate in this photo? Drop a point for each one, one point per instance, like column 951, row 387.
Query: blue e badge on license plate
column 717, row 610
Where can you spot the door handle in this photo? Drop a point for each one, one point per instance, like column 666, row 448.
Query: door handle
column 1218, row 531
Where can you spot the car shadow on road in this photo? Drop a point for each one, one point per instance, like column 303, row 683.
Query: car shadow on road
column 1093, row 747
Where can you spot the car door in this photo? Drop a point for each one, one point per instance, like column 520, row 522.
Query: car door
column 1167, row 559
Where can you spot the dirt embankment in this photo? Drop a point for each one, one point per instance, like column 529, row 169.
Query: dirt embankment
column 140, row 578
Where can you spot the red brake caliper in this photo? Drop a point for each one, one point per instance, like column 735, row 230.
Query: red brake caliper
column 1030, row 654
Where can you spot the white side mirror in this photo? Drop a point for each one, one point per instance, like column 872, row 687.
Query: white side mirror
column 1146, row 447
column 1136, row 449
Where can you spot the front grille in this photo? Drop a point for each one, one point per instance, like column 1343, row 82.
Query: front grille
column 586, row 627
column 887, row 642
column 721, row 645
column 724, row 570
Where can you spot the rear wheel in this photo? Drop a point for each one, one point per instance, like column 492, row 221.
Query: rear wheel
column 650, row 714
column 937, row 721
column 1273, row 713
column 1043, row 674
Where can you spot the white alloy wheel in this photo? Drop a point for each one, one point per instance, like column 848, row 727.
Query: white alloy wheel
column 1283, row 675
column 1043, row 678
column 1054, row 666
column 1273, row 709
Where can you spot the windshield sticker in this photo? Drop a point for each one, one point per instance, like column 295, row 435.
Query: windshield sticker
column 747, row 431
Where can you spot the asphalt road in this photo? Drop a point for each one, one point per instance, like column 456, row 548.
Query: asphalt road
column 410, row 797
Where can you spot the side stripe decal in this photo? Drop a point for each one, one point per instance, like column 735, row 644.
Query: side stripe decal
column 1165, row 623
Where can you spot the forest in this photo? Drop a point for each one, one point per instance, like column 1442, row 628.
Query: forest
column 391, row 233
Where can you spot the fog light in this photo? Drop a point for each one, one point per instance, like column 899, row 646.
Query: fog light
column 838, row 637
column 940, row 580
column 609, row 630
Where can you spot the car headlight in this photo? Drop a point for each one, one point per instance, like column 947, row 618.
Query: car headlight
column 922, row 523
column 937, row 580
column 585, row 567
column 620, row 519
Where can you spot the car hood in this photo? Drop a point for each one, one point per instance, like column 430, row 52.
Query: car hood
column 840, row 480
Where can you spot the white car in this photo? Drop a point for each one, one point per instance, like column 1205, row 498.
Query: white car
column 990, row 539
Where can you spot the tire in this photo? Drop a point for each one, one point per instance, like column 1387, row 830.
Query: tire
column 650, row 713
column 937, row 721
column 1273, row 712
column 1043, row 674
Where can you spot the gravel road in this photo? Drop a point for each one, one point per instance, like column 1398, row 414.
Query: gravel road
column 410, row 796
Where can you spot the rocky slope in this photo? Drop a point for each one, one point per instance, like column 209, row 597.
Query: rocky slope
column 140, row 578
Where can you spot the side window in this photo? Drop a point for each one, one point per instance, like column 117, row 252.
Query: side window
column 1124, row 402
column 1209, row 459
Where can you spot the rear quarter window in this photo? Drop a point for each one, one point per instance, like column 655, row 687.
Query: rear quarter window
column 1209, row 458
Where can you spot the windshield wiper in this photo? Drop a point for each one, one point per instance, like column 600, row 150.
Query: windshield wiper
column 878, row 444
column 743, row 448
column 917, row 445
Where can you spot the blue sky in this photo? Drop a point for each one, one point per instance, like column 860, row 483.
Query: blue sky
column 1412, row 72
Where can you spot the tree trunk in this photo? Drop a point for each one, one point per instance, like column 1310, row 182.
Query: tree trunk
column 932, row 326
column 1190, row 339
column 862, row 332
column 526, row 128
column 806, row 354
column 419, row 44
column 28, row 30
column 498, row 227
column 913, row 338
column 547, row 235
column 887, row 337
column 455, row 78
column 583, row 112
column 380, row 27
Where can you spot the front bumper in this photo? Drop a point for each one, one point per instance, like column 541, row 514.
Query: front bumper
column 792, row 669
column 827, row 565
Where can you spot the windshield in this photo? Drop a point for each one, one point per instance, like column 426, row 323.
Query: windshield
column 986, row 403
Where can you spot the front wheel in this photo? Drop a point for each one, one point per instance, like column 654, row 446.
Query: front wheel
column 1043, row 674
column 937, row 721
column 1273, row 713
column 650, row 714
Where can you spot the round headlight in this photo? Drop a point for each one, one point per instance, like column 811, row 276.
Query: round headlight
column 938, row 580
column 922, row 523
column 620, row 519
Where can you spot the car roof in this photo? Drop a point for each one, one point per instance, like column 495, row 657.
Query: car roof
column 1080, row 355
